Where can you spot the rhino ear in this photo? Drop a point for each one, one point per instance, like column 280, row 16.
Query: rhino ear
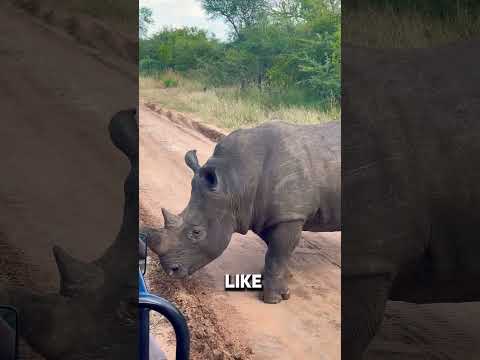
column 192, row 161
column 209, row 175
column 171, row 220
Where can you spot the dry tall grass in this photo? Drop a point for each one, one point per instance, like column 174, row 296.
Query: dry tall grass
column 221, row 107
column 387, row 29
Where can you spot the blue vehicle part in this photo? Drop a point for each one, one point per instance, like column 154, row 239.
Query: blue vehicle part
column 147, row 302
column 143, row 260
column 13, row 310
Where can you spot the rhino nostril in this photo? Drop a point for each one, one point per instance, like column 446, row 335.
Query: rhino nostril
column 174, row 269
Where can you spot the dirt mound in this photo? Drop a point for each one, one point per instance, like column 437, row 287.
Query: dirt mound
column 210, row 339
column 106, row 42
column 16, row 271
column 209, row 131
column 13, row 262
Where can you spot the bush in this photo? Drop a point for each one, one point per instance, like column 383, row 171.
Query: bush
column 170, row 83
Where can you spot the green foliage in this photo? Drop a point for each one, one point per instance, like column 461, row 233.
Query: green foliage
column 289, row 50
column 169, row 83
column 177, row 49
column 322, row 73
column 239, row 14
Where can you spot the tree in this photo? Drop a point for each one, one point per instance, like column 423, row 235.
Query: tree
column 177, row 49
column 288, row 49
column 238, row 13
column 145, row 20
column 287, row 9
column 322, row 73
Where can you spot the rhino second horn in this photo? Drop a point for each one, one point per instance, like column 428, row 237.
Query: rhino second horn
column 192, row 161
column 171, row 220
column 77, row 277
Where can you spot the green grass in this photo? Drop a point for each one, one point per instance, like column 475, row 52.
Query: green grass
column 169, row 83
column 230, row 108
column 387, row 29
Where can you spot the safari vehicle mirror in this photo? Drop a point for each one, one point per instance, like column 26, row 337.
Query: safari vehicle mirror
column 8, row 333
column 142, row 263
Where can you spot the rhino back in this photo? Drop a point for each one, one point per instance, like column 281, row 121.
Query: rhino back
column 285, row 172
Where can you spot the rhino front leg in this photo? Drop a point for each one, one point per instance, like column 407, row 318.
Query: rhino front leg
column 282, row 240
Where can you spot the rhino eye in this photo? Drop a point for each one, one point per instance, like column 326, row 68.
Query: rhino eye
column 196, row 235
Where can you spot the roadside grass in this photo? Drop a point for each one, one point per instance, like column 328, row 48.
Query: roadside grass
column 228, row 107
column 388, row 29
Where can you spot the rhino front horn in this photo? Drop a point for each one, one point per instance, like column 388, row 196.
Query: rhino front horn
column 76, row 277
column 171, row 220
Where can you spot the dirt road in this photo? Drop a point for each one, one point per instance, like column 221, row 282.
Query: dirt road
column 429, row 331
column 56, row 98
column 238, row 324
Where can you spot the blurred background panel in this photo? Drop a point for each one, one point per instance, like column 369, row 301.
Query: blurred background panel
column 409, row 180
column 68, row 68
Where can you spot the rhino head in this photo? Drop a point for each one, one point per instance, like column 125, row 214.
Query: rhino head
column 203, row 230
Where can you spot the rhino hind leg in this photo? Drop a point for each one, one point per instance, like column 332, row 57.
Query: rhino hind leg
column 282, row 240
column 363, row 305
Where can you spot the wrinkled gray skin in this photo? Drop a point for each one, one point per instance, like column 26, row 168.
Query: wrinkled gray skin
column 410, row 182
column 275, row 179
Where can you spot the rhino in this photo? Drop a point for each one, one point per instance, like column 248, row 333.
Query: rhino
column 410, row 182
column 276, row 179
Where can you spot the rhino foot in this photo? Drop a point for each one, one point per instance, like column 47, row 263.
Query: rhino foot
column 286, row 295
column 274, row 296
column 271, row 298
